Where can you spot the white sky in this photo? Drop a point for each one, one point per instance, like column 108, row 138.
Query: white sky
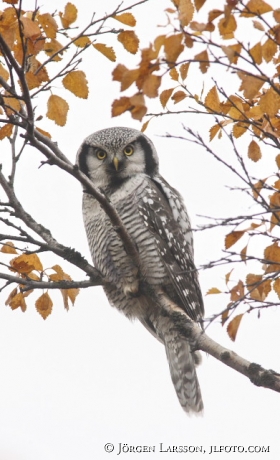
column 87, row 377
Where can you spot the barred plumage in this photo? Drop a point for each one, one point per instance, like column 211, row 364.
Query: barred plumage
column 123, row 164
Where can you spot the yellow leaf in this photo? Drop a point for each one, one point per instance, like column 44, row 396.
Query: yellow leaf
column 44, row 305
column 227, row 26
column 186, row 12
column 165, row 96
column 18, row 301
column 258, row 288
column 126, row 18
column 213, row 291
column 26, row 263
column 233, row 326
column 213, row 131
column 11, row 295
column 6, row 131
column 212, row 101
column 184, row 68
column 233, row 237
column 106, row 50
column 250, row 85
column 173, row 47
column 256, row 53
column 174, row 74
column 9, row 248
column 270, row 102
column 76, row 82
column 129, row 40
column 239, row 129
column 151, row 85
column 254, row 151
column 255, row 113
column 256, row 8
column 178, row 96
column 203, row 60
column 69, row 16
column 57, row 110
column 48, row 23
column 269, row 49
column 82, row 42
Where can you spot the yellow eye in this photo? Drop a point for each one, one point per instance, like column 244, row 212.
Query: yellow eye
column 128, row 150
column 101, row 154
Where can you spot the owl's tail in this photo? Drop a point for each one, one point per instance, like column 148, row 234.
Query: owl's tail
column 182, row 362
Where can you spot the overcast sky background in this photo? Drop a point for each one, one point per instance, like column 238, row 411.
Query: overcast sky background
column 87, row 377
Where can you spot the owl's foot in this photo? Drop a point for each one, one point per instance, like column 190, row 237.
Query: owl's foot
column 131, row 289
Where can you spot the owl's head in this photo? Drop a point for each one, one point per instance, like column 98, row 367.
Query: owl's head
column 112, row 155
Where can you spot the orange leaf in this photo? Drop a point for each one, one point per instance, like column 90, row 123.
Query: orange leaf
column 48, row 23
column 213, row 131
column 44, row 305
column 69, row 16
column 11, row 295
column 239, row 129
column 233, row 237
column 9, row 248
column 126, row 18
column 129, row 40
column 174, row 74
column 57, row 109
column 254, row 151
column 212, row 101
column 26, row 263
column 203, row 60
column 165, row 96
column 138, row 110
column 213, row 291
column 276, row 15
column 6, row 131
column 76, row 82
column 243, row 254
column 52, row 47
column 18, row 301
column 173, row 47
column 105, row 50
column 233, row 326
column 120, row 106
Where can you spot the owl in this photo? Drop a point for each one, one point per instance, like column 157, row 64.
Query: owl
column 123, row 164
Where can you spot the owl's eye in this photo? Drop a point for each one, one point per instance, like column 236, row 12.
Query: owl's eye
column 128, row 150
column 101, row 154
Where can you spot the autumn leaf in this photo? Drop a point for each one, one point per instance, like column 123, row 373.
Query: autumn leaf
column 138, row 107
column 129, row 40
column 17, row 301
column 227, row 26
column 174, row 74
column 4, row 73
column 26, row 263
column 48, row 24
column 6, row 131
column 53, row 49
column 237, row 292
column 44, row 305
column 69, row 16
column 254, row 151
column 126, row 18
column 57, row 109
column 82, row 42
column 120, row 106
column 239, row 129
column 184, row 68
column 272, row 258
column 213, row 291
column 198, row 4
column 269, row 49
column 105, row 50
column 9, row 248
column 233, row 237
column 45, row 133
column 186, row 12
column 255, row 8
column 276, row 287
column 233, row 326
column 151, row 85
column 270, row 102
column 203, row 60
column 178, row 96
column 256, row 53
column 213, row 131
column 250, row 85
column 212, row 101
column 173, row 47
column 76, row 82
column 257, row 287
column 30, row 28
column 165, row 96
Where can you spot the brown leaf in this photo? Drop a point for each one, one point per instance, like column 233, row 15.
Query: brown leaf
column 232, row 52
column 48, row 24
column 276, row 15
column 186, row 12
column 250, row 85
column 184, row 68
column 69, row 16
column 256, row 53
column 105, row 50
column 213, row 14
column 258, row 25
column 18, row 301
column 276, row 287
column 4, row 73
column 174, row 74
column 45, row 133
column 82, row 42
column 233, row 326
column 269, row 49
column 233, row 237
column 272, row 256
column 57, row 109
column 227, row 26
column 270, row 102
column 145, row 125
column 126, row 18
column 151, row 85
column 76, row 82
column 6, row 131
column 203, row 60
column 198, row 4
column 120, row 106
column 173, row 47
column 255, row 8
column 277, row 159
column 30, row 28
column 178, row 96
column 212, row 101
column 213, row 131
column 138, row 110
column 11, row 295
column 239, row 129
column 44, row 305
column 9, row 248
column 129, row 40
column 165, row 96
column 243, row 254
column 254, row 151
column 53, row 47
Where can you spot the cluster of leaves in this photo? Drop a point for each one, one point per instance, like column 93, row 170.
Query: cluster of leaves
column 29, row 267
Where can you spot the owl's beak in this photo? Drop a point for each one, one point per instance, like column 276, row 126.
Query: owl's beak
column 116, row 163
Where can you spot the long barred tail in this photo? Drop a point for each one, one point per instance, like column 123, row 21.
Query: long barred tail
column 182, row 364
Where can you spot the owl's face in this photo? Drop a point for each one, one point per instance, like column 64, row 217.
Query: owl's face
column 111, row 155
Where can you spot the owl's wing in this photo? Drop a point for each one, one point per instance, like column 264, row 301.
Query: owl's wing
column 174, row 248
